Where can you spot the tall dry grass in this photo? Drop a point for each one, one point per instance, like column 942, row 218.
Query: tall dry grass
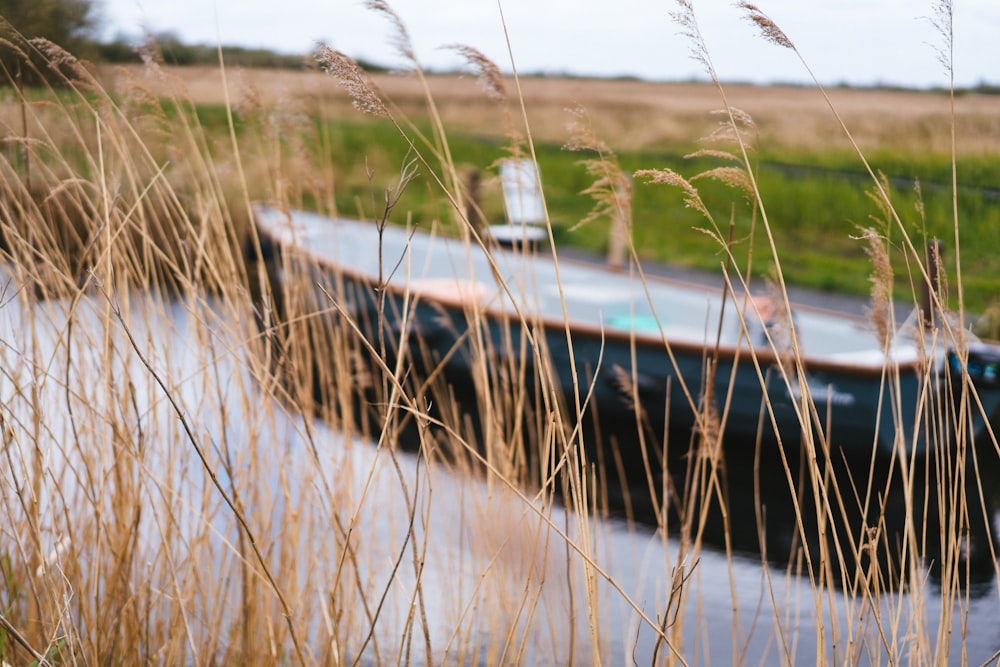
column 201, row 465
column 169, row 495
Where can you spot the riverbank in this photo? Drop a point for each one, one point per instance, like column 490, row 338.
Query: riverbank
column 819, row 199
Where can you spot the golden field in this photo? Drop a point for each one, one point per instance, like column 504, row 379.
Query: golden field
column 632, row 114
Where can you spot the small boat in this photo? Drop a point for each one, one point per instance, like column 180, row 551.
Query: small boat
column 652, row 354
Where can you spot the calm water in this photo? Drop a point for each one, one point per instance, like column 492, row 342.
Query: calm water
column 485, row 549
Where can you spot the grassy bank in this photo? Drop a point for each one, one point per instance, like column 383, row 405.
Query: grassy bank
column 820, row 195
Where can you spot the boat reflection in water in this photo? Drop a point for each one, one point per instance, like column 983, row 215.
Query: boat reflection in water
column 873, row 494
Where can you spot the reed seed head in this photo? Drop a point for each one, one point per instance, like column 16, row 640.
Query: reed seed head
column 734, row 177
column 710, row 431
column 943, row 22
column 489, row 75
column 623, row 383
column 581, row 133
column 712, row 153
column 735, row 127
column 149, row 52
column 56, row 55
column 352, row 79
column 611, row 188
column 402, row 40
column 685, row 18
column 918, row 205
column 768, row 28
column 880, row 196
column 881, row 279
column 670, row 177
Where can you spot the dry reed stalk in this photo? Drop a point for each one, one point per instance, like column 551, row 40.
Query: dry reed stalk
column 611, row 189
column 949, row 455
column 112, row 513
column 579, row 485
column 114, row 445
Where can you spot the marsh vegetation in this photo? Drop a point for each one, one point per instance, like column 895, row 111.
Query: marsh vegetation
column 188, row 476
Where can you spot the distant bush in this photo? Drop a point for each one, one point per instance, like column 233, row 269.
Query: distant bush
column 118, row 51
column 987, row 88
column 176, row 52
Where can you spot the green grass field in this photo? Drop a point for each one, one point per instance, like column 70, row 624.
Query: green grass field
column 818, row 204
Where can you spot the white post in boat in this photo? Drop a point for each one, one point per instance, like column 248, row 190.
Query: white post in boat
column 522, row 193
column 522, row 196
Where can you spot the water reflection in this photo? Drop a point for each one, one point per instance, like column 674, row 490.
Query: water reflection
column 768, row 509
column 733, row 608
column 495, row 576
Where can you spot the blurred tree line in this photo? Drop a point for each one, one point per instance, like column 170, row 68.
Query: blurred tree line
column 175, row 52
column 74, row 26
column 70, row 24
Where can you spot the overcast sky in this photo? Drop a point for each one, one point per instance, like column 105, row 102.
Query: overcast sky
column 861, row 42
